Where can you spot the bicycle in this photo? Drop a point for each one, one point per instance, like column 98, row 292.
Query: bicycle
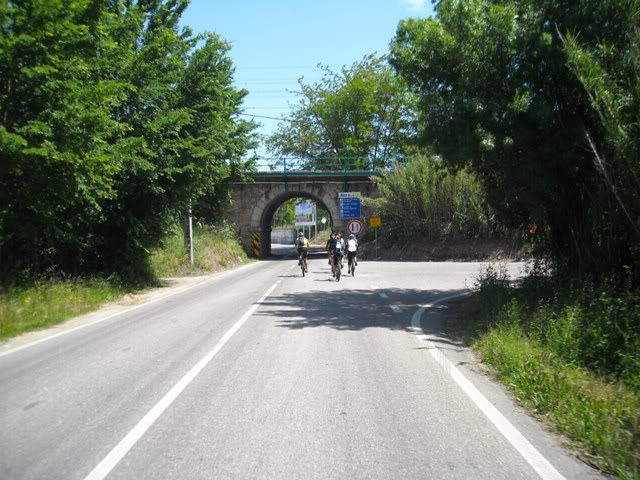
column 352, row 264
column 302, row 261
column 336, row 266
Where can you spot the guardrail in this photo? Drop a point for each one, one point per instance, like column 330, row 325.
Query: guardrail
column 350, row 166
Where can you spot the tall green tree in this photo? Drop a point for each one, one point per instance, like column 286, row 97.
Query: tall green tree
column 113, row 120
column 495, row 91
column 363, row 112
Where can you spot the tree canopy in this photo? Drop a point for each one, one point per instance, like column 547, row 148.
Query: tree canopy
column 363, row 112
column 112, row 120
column 496, row 90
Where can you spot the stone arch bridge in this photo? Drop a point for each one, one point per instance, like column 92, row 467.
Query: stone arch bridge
column 255, row 202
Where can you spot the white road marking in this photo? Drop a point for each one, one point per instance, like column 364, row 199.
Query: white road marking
column 120, row 450
column 540, row 464
column 384, row 296
column 396, row 308
column 80, row 327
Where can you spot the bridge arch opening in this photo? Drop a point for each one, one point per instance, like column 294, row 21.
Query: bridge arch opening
column 276, row 202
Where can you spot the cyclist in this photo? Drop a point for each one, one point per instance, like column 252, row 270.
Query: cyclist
column 302, row 246
column 336, row 250
column 342, row 249
column 332, row 239
column 352, row 251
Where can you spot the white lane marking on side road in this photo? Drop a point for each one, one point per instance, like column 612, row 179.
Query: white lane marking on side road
column 540, row 464
column 120, row 450
column 396, row 308
column 100, row 320
column 384, row 296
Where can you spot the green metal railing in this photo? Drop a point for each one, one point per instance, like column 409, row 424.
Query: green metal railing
column 326, row 166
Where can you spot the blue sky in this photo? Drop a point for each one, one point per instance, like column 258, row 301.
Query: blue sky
column 276, row 42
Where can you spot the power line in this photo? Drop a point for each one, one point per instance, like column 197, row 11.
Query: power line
column 269, row 118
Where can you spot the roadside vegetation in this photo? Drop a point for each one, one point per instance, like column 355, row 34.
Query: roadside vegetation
column 215, row 248
column 35, row 305
column 50, row 302
column 570, row 352
column 424, row 199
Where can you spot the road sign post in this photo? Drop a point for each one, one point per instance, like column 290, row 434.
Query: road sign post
column 375, row 222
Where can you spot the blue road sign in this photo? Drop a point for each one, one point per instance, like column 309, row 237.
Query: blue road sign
column 350, row 207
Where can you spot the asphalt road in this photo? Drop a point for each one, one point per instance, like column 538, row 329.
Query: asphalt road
column 260, row 373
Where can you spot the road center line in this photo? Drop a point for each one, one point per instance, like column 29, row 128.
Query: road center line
column 396, row 308
column 384, row 296
column 120, row 450
column 540, row 464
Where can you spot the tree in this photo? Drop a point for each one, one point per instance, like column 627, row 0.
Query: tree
column 363, row 112
column 495, row 91
column 113, row 120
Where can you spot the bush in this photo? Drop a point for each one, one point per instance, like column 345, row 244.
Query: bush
column 423, row 199
column 571, row 351
column 214, row 248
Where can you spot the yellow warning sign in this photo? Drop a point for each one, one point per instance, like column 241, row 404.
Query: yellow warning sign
column 255, row 243
column 375, row 222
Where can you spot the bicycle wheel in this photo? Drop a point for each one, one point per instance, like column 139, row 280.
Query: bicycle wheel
column 303, row 266
column 338, row 271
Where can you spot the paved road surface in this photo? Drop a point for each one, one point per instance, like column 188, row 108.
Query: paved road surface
column 260, row 373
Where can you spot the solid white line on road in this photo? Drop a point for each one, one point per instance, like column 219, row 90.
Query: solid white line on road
column 396, row 308
column 80, row 327
column 120, row 450
column 384, row 296
column 540, row 464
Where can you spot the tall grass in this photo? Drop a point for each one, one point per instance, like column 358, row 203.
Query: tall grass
column 424, row 199
column 214, row 248
column 46, row 303
column 570, row 351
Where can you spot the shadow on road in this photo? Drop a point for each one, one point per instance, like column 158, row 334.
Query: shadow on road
column 352, row 310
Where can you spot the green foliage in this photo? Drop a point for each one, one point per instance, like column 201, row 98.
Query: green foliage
column 600, row 418
column 43, row 304
column 424, row 199
column 495, row 89
column 363, row 112
column 593, row 327
column 112, row 120
column 570, row 351
column 214, row 248
column 285, row 215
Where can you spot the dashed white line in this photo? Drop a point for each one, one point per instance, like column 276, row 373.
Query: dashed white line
column 384, row 296
column 120, row 450
column 539, row 463
column 396, row 308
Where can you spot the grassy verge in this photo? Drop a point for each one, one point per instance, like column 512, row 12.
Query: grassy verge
column 214, row 249
column 23, row 309
column 569, row 355
column 47, row 303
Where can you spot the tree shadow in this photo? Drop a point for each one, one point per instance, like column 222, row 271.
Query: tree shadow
column 357, row 309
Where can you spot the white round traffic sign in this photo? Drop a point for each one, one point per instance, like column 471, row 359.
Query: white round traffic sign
column 354, row 226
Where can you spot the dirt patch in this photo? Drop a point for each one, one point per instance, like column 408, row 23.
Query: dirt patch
column 451, row 251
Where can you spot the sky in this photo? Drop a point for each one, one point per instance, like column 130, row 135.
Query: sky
column 275, row 42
